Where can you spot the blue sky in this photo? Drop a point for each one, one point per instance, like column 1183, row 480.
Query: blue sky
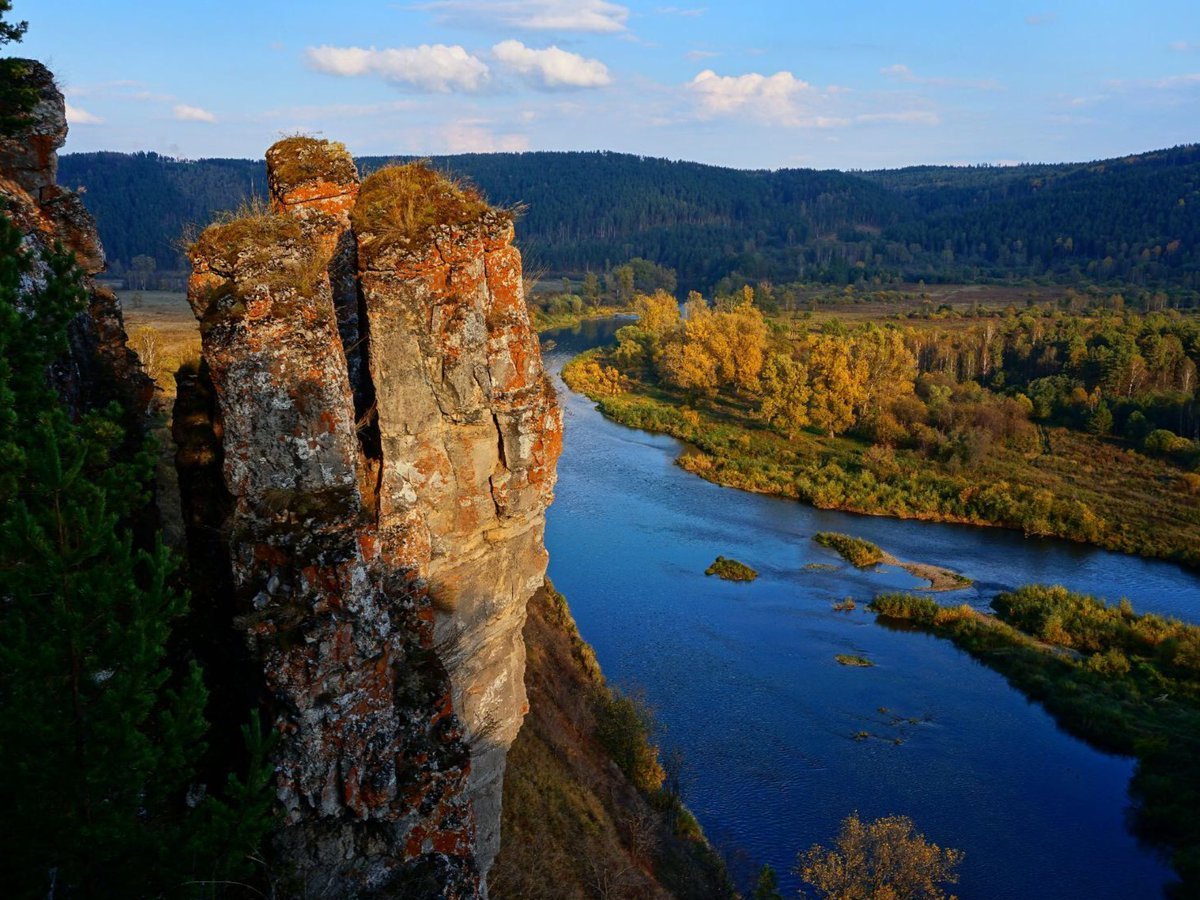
column 848, row 84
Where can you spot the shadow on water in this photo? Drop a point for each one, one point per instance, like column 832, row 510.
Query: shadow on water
column 745, row 680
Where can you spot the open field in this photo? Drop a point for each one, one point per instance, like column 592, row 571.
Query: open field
column 163, row 331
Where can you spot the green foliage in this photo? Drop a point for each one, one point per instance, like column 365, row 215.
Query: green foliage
column 730, row 570
column 1124, row 682
column 17, row 97
column 100, row 731
column 926, row 438
column 856, row 551
column 722, row 228
column 624, row 725
column 767, row 885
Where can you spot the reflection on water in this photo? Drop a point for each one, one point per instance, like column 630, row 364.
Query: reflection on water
column 744, row 680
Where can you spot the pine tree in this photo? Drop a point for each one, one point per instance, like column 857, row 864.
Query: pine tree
column 100, row 735
column 16, row 97
column 767, row 886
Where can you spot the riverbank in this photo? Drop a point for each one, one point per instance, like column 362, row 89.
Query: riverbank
column 744, row 678
column 1123, row 682
column 585, row 803
column 1074, row 486
column 543, row 321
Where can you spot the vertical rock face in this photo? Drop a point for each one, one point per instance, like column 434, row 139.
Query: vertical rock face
column 389, row 441
column 470, row 433
column 100, row 366
column 316, row 183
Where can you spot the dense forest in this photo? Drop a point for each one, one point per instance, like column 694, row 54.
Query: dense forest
column 1082, row 427
column 1134, row 220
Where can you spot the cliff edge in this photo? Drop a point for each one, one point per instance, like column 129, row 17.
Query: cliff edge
column 374, row 397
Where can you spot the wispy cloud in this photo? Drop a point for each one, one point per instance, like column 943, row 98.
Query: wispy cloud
column 102, row 89
column 473, row 137
column 908, row 117
column 697, row 55
column 186, row 113
column 596, row 16
column 436, row 68
column 1185, row 46
column 681, row 11
column 551, row 68
column 1041, row 19
column 340, row 110
column 1170, row 82
column 77, row 115
column 904, row 74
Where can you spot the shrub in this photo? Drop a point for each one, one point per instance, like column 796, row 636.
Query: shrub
column 856, row 551
column 731, row 570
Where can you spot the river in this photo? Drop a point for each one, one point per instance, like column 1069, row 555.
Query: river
column 743, row 680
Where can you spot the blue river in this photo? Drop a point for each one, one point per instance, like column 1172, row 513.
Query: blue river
column 743, row 680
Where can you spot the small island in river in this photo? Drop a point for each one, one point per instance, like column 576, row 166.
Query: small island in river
column 864, row 555
column 731, row 570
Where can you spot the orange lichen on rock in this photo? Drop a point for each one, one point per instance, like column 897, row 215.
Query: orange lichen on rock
column 390, row 440
column 470, row 432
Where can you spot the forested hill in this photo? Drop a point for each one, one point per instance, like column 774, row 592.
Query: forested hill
column 1133, row 220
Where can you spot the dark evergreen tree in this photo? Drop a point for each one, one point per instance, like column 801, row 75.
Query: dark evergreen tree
column 16, row 97
column 100, row 735
column 767, row 886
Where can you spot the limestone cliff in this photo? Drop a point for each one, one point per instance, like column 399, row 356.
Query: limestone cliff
column 388, row 441
column 99, row 367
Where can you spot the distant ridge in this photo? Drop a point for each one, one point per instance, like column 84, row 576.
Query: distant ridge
column 1134, row 219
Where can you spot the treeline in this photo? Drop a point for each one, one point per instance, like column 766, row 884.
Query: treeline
column 953, row 391
column 954, row 424
column 1124, row 682
column 1134, row 220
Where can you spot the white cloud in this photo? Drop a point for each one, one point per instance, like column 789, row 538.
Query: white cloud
column 772, row 98
column 681, row 10
column 552, row 67
column 185, row 113
column 1041, row 19
column 469, row 137
column 696, row 55
column 1185, row 46
column 76, row 115
column 598, row 16
column 784, row 99
column 903, row 73
column 437, row 68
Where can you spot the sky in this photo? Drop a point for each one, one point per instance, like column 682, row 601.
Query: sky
column 844, row 84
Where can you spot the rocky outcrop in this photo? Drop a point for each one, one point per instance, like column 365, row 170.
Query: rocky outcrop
column 100, row 367
column 470, row 433
column 388, row 440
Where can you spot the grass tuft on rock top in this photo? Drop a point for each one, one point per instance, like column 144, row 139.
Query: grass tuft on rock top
column 1123, row 682
column 400, row 203
column 252, row 233
column 731, row 570
column 299, row 158
column 855, row 551
column 270, row 248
